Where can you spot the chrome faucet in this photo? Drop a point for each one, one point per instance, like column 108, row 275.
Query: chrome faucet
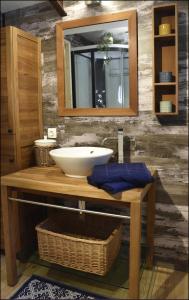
column 107, row 138
column 119, row 139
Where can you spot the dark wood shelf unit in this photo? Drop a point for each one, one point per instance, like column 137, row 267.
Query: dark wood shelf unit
column 165, row 57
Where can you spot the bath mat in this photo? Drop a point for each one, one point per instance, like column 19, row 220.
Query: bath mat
column 37, row 287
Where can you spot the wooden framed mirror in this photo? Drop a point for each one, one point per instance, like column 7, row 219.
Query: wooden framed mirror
column 97, row 65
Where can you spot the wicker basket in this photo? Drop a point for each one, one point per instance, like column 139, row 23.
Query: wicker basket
column 42, row 156
column 84, row 242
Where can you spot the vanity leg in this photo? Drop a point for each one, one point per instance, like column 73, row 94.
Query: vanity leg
column 135, row 250
column 8, row 208
column 150, row 225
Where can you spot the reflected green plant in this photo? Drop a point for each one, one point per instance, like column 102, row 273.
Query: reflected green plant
column 103, row 45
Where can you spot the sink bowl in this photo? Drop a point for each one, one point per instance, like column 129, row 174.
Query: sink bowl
column 79, row 161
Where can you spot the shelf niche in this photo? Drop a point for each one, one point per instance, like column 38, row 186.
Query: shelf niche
column 165, row 56
column 163, row 93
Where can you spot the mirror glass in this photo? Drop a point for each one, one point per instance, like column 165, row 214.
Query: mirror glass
column 96, row 66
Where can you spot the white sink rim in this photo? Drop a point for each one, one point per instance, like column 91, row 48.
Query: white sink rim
column 72, row 152
column 79, row 161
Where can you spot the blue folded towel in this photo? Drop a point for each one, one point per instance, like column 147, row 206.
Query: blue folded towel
column 116, row 187
column 135, row 174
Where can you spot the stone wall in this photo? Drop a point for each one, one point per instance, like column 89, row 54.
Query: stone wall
column 161, row 142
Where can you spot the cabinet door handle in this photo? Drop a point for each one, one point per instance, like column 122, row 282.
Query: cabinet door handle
column 11, row 160
column 10, row 130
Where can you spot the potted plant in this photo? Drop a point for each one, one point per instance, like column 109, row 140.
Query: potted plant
column 103, row 45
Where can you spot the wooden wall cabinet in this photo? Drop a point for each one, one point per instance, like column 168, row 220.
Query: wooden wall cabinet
column 21, row 110
column 165, row 57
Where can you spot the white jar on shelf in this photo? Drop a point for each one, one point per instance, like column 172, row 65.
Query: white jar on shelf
column 165, row 106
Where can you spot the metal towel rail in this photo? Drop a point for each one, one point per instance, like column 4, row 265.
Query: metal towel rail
column 70, row 208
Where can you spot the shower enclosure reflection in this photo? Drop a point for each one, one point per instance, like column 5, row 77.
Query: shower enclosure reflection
column 97, row 66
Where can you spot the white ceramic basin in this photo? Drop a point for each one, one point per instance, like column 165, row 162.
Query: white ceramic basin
column 79, row 161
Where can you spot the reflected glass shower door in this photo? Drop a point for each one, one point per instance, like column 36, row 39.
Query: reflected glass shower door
column 83, row 80
column 117, row 79
column 100, row 79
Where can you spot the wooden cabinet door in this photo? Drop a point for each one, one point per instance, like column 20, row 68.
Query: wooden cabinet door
column 21, row 113
column 8, row 149
column 27, row 57
column 8, row 137
column 7, row 82
column 21, row 105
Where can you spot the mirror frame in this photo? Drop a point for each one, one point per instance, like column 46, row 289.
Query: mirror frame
column 131, row 16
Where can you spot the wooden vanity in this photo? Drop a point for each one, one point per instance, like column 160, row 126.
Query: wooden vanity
column 51, row 181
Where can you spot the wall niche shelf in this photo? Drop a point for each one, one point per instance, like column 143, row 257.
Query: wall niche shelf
column 165, row 83
column 171, row 35
column 165, row 58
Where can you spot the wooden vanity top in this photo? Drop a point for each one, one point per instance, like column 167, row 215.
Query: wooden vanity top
column 52, row 180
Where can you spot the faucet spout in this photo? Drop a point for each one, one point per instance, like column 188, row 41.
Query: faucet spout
column 119, row 139
column 106, row 139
